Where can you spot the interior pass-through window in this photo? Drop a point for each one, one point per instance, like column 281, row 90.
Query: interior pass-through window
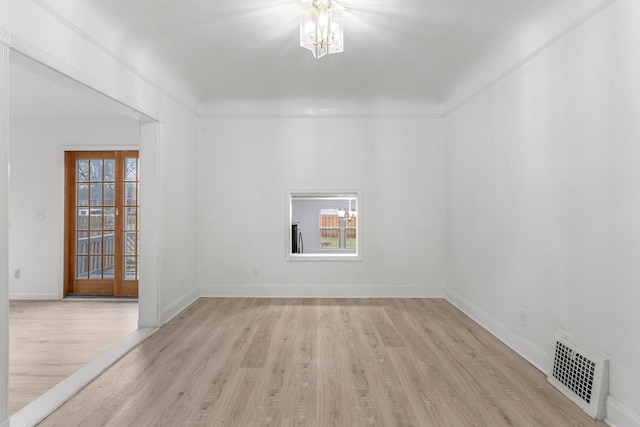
column 324, row 225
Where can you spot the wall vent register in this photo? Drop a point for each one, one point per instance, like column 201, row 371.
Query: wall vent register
column 580, row 374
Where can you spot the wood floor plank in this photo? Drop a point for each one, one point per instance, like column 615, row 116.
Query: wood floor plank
column 50, row 340
column 321, row 362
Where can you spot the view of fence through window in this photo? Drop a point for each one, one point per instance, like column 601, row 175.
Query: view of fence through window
column 337, row 229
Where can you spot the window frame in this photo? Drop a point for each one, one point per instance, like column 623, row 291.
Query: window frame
column 324, row 255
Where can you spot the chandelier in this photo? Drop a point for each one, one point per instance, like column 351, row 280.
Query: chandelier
column 321, row 28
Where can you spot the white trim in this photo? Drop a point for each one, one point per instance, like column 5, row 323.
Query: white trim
column 618, row 415
column 520, row 345
column 324, row 257
column 321, row 291
column 150, row 284
column 321, row 116
column 76, row 147
column 5, row 39
column 5, row 36
column 52, row 399
column 173, row 309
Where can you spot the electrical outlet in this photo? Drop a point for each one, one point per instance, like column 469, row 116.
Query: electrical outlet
column 523, row 317
column 254, row 270
column 16, row 273
column 40, row 214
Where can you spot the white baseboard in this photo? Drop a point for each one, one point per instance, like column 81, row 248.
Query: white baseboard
column 38, row 297
column 322, row 291
column 524, row 348
column 52, row 399
column 618, row 415
column 173, row 309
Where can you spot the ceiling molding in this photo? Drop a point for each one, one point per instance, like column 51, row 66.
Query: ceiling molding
column 5, row 36
column 321, row 116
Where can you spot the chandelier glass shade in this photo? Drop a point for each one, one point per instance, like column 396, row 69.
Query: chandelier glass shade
column 321, row 28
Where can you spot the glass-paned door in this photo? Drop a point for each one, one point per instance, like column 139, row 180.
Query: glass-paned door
column 101, row 244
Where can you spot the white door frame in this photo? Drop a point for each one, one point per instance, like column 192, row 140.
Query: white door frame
column 5, row 42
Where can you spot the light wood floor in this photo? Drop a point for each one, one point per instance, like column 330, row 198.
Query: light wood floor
column 50, row 340
column 320, row 362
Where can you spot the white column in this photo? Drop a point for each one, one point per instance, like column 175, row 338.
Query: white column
column 4, row 225
column 150, row 283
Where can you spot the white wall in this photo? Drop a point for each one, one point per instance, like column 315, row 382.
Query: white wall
column 36, row 152
column 247, row 164
column 543, row 201
column 178, row 187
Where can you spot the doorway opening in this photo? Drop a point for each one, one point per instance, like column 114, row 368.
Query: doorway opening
column 53, row 112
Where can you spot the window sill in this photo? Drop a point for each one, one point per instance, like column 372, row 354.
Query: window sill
column 324, row 257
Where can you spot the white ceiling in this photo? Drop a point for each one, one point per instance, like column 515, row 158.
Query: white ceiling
column 248, row 49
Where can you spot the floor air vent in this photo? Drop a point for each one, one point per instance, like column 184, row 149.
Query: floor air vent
column 581, row 375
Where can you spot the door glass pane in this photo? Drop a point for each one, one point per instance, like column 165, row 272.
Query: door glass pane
column 130, row 218
column 95, row 220
column 130, row 169
column 109, row 170
column 96, row 194
column 82, row 243
column 109, row 219
column 107, row 272
column 82, row 195
column 95, row 168
column 108, row 246
column 131, row 246
column 131, row 259
column 109, row 194
column 96, row 243
column 130, row 268
column 82, row 171
column 82, row 267
column 130, row 194
column 96, row 267
column 82, row 219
